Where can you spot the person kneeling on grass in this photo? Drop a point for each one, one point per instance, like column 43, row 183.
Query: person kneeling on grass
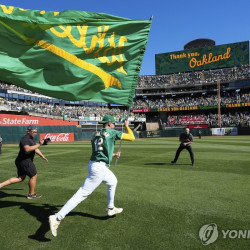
column 102, row 152
column 24, row 162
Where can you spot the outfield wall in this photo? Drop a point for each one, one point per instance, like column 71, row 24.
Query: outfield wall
column 13, row 134
column 173, row 132
column 244, row 130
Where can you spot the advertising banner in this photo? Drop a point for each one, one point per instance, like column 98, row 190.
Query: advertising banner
column 153, row 134
column 26, row 120
column 198, row 126
column 178, row 109
column 88, row 122
column 140, row 110
column 140, row 119
column 225, row 131
column 238, row 105
column 211, row 57
column 58, row 137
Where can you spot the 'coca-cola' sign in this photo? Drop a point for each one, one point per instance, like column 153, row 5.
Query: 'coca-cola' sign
column 58, row 137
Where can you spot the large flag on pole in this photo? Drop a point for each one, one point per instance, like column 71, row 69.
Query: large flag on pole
column 72, row 55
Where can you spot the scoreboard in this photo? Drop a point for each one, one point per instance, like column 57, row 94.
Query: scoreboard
column 211, row 57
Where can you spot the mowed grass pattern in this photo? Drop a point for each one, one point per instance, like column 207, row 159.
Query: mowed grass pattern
column 164, row 205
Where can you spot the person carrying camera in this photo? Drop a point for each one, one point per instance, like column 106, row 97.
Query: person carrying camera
column 186, row 140
column 24, row 162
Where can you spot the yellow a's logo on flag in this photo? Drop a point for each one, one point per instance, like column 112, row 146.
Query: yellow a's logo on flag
column 72, row 55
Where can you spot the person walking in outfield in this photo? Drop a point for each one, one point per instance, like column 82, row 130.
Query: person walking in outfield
column 102, row 152
column 24, row 162
column 1, row 142
column 199, row 134
column 186, row 140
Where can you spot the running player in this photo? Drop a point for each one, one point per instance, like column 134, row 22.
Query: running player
column 102, row 153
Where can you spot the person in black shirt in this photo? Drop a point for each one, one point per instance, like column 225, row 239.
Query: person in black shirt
column 24, row 162
column 186, row 140
column 199, row 134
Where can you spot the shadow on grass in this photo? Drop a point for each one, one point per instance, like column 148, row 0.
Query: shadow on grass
column 6, row 188
column 3, row 195
column 41, row 212
column 169, row 164
column 91, row 216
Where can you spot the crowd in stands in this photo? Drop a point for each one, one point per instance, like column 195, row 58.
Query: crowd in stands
column 189, row 101
column 70, row 112
column 82, row 112
column 197, row 77
column 210, row 76
column 188, row 78
column 231, row 119
column 4, row 85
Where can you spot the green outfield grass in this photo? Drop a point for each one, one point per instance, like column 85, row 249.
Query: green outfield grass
column 164, row 205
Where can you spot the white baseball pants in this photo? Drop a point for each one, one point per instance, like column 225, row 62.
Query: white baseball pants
column 98, row 173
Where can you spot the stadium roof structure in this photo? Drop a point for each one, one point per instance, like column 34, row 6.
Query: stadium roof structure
column 199, row 43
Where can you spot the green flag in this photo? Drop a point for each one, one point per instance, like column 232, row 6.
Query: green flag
column 72, row 55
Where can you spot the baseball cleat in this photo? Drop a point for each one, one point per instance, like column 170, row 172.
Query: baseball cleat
column 34, row 196
column 114, row 210
column 53, row 224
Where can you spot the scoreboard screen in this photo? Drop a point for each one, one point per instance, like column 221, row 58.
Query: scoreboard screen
column 212, row 57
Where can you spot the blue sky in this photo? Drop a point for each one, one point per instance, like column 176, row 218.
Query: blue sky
column 175, row 22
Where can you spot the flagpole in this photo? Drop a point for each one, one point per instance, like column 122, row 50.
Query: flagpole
column 119, row 150
column 120, row 146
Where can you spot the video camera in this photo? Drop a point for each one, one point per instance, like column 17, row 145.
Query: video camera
column 46, row 141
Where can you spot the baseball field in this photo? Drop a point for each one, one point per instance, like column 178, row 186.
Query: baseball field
column 165, row 205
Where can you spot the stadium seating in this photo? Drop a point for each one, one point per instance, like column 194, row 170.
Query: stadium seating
column 155, row 93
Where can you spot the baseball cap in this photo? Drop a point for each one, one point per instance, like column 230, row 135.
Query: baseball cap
column 107, row 118
column 31, row 127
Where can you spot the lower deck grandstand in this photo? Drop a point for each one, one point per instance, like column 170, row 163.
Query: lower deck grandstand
column 175, row 100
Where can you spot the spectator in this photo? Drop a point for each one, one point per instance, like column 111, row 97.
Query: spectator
column 1, row 142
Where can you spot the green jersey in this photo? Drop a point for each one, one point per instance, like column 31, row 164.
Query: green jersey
column 103, row 143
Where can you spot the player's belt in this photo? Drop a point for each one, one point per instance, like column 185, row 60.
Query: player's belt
column 102, row 162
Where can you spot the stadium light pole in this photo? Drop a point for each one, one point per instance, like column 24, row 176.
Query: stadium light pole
column 219, row 101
